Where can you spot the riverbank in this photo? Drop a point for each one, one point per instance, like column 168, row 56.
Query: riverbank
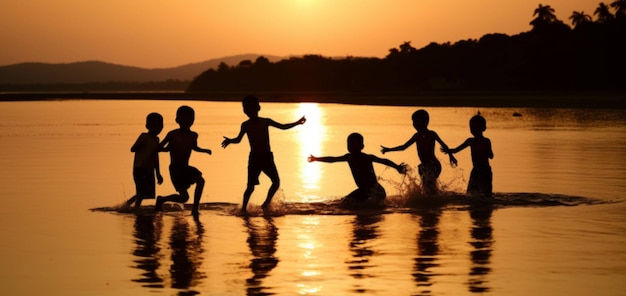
column 594, row 100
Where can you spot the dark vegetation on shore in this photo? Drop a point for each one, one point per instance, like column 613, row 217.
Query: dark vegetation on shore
column 552, row 65
column 551, row 57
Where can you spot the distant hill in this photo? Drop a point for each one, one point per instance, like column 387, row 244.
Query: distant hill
column 97, row 71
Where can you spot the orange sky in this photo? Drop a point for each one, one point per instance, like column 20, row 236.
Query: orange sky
column 156, row 33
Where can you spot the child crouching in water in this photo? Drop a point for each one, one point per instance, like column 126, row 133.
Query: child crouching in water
column 361, row 165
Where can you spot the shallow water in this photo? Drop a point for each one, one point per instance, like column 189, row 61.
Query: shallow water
column 557, row 228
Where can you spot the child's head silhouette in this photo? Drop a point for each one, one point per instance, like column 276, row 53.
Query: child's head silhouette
column 420, row 119
column 185, row 116
column 477, row 124
column 355, row 142
column 154, row 123
column 251, row 105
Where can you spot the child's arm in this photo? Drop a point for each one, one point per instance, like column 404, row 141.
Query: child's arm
column 401, row 168
column 327, row 158
column 164, row 143
column 457, row 149
column 157, row 169
column 444, row 148
column 236, row 140
column 198, row 149
column 288, row 125
column 453, row 161
column 398, row 148
column 138, row 143
column 440, row 141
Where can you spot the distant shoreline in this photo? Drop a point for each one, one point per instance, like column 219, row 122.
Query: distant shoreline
column 595, row 100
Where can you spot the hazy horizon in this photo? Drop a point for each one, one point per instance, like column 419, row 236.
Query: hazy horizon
column 137, row 34
column 149, row 68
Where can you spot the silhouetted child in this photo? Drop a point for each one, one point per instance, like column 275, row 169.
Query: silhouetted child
column 361, row 166
column 146, row 162
column 180, row 142
column 261, row 158
column 430, row 168
column 480, row 182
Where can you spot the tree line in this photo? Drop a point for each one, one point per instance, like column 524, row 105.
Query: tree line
column 588, row 55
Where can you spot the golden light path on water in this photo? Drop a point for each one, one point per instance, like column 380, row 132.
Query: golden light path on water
column 311, row 136
column 309, row 246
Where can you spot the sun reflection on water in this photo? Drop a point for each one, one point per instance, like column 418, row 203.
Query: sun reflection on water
column 311, row 137
column 305, row 290
column 309, row 246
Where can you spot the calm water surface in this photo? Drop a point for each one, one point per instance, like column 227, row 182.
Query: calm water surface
column 561, row 231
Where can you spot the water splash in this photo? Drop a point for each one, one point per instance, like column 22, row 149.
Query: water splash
column 410, row 198
column 414, row 202
column 411, row 194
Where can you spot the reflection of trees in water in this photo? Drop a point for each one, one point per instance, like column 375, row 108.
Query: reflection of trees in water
column 482, row 241
column 427, row 248
column 364, row 231
column 147, row 234
column 186, row 253
column 262, row 237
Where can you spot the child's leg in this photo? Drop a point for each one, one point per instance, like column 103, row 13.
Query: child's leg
column 473, row 187
column 351, row 200
column 246, row 197
column 197, row 194
column 271, row 192
column 378, row 193
column 145, row 186
column 182, row 196
column 272, row 173
column 131, row 200
column 255, row 165
column 485, row 184
column 138, row 202
column 430, row 186
column 429, row 173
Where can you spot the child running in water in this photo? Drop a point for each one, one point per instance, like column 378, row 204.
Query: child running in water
column 180, row 142
column 361, row 165
column 430, row 168
column 480, row 181
column 261, row 158
column 146, row 161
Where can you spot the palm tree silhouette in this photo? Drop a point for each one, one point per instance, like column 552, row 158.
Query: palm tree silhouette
column 579, row 18
column 603, row 12
column 545, row 15
column 620, row 7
